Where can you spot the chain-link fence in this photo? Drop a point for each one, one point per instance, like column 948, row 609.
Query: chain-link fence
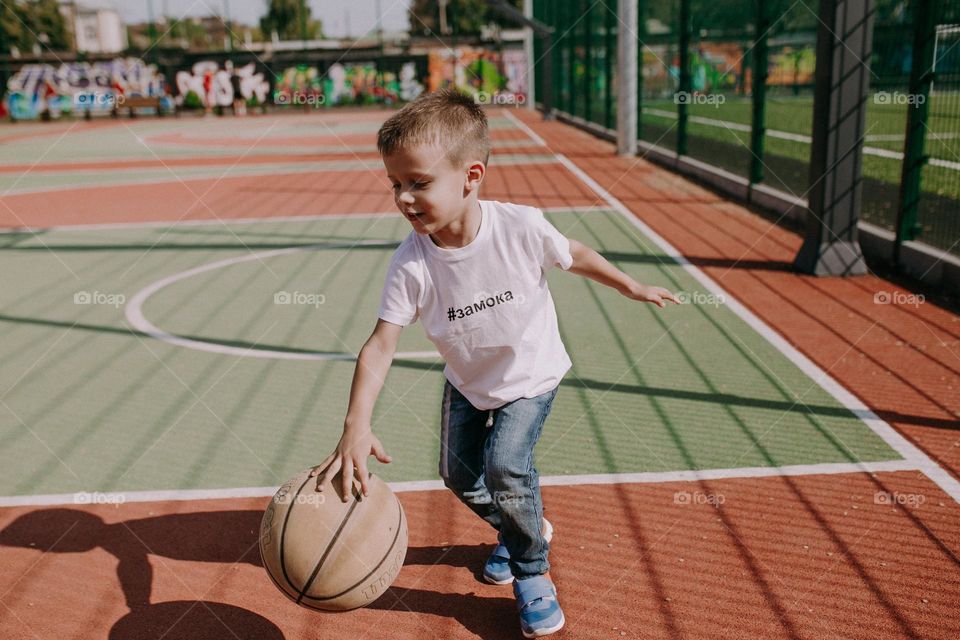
column 730, row 83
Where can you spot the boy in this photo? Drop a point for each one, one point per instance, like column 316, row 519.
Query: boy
column 473, row 271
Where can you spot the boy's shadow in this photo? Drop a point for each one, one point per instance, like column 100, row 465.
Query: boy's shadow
column 229, row 537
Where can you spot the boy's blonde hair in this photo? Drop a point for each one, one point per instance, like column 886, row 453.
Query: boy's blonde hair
column 446, row 118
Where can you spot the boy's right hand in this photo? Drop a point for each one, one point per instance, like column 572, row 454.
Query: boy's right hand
column 351, row 457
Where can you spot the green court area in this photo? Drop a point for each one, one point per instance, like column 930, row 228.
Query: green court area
column 89, row 403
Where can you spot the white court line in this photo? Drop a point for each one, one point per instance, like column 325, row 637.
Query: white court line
column 228, row 221
column 137, row 319
column 118, row 497
column 238, row 171
column 889, row 435
column 799, row 137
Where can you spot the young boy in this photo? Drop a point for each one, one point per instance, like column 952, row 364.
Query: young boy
column 473, row 271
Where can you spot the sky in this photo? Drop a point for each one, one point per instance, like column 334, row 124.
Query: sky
column 341, row 18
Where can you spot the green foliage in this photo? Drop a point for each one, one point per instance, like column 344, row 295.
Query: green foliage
column 24, row 24
column 185, row 30
column 192, row 101
column 284, row 17
column 464, row 17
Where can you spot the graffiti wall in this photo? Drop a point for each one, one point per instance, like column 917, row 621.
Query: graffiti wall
column 207, row 85
column 299, row 85
column 499, row 76
column 349, row 84
column 359, row 83
column 792, row 66
column 78, row 86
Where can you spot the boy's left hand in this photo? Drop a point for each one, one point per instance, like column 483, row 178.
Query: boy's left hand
column 649, row 293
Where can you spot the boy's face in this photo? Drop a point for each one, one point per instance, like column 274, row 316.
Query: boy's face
column 428, row 189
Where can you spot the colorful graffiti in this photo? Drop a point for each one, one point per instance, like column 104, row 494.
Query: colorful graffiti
column 37, row 90
column 299, row 85
column 481, row 71
column 792, row 66
column 723, row 67
column 212, row 86
column 359, row 83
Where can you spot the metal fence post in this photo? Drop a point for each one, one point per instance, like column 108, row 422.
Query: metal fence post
column 921, row 77
column 608, row 41
column 641, row 37
column 758, row 127
column 844, row 48
column 626, row 77
column 588, row 64
column 685, row 84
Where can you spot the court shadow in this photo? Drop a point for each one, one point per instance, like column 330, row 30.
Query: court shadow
column 193, row 537
column 193, row 620
column 488, row 618
column 463, row 556
column 202, row 537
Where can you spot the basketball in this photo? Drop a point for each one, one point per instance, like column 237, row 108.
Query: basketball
column 331, row 555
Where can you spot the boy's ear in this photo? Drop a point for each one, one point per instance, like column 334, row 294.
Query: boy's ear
column 474, row 175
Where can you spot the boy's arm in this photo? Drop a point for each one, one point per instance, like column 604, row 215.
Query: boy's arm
column 590, row 264
column 358, row 441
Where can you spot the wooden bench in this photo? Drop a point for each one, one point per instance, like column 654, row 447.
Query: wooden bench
column 137, row 102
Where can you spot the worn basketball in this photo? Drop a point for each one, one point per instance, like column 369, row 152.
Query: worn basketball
column 331, row 555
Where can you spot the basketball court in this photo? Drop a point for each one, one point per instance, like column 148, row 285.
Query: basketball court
column 777, row 457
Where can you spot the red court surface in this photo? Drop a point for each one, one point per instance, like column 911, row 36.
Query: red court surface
column 805, row 557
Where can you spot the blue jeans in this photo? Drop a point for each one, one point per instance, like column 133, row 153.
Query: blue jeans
column 486, row 459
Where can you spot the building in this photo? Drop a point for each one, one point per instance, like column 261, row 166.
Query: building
column 97, row 27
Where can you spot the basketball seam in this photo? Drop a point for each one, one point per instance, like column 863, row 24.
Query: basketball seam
column 393, row 545
column 283, row 540
column 326, row 552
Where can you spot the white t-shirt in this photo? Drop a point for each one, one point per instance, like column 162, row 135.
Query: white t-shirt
column 486, row 306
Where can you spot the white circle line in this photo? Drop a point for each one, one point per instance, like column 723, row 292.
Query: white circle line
column 137, row 319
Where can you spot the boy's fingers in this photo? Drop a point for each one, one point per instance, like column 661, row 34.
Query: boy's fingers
column 381, row 454
column 330, row 470
column 346, row 480
column 323, row 465
column 363, row 475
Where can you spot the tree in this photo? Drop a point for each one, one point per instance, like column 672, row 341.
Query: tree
column 25, row 24
column 284, row 17
column 45, row 19
column 12, row 33
column 463, row 17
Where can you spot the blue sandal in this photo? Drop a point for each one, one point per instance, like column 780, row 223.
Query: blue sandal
column 540, row 612
column 497, row 568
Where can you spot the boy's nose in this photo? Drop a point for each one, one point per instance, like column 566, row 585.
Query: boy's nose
column 405, row 197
